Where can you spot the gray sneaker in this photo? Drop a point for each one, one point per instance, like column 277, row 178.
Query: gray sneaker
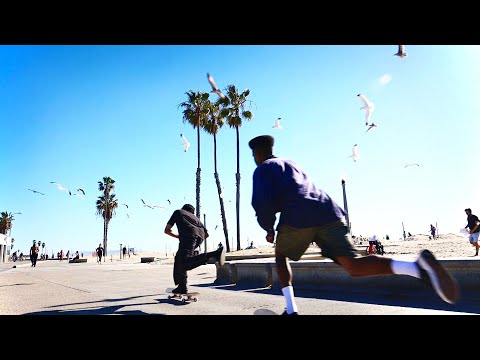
column 434, row 273
column 221, row 256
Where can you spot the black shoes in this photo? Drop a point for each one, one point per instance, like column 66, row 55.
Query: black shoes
column 285, row 313
column 180, row 290
column 432, row 272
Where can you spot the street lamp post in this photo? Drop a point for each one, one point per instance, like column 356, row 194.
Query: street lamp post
column 345, row 205
column 120, row 251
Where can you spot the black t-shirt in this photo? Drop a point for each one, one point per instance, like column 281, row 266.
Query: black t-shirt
column 99, row 251
column 188, row 225
column 472, row 221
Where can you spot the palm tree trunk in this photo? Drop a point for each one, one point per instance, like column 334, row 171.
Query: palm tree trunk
column 105, row 236
column 237, row 177
column 198, row 174
column 220, row 195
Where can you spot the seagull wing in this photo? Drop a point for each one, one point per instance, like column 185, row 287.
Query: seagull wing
column 212, row 82
column 81, row 190
column 186, row 144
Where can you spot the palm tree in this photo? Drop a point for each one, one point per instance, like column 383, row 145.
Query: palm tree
column 6, row 220
column 234, row 110
column 106, row 205
column 211, row 126
column 196, row 113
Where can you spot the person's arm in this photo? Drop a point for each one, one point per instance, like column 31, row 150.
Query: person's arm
column 263, row 200
column 477, row 223
column 168, row 231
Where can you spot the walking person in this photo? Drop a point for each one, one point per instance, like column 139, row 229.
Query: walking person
column 99, row 251
column 308, row 214
column 124, row 250
column 433, row 231
column 191, row 234
column 34, row 254
column 474, row 225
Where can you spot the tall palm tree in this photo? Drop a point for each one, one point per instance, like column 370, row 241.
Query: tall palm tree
column 6, row 220
column 196, row 113
column 106, row 205
column 234, row 110
column 211, row 126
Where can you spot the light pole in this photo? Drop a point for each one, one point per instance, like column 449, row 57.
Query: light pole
column 120, row 251
column 345, row 205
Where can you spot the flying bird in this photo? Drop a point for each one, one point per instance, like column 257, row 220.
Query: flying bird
column 355, row 154
column 401, row 51
column 277, row 124
column 214, row 86
column 411, row 165
column 60, row 187
column 216, row 227
column 169, row 202
column 81, row 190
column 186, row 144
column 125, row 205
column 37, row 192
column 368, row 106
column 371, row 126
column 146, row 205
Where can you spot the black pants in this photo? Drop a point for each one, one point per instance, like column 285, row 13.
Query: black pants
column 185, row 260
column 34, row 259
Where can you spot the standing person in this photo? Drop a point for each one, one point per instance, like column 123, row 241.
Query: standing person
column 191, row 234
column 474, row 225
column 34, row 254
column 99, row 251
column 433, row 230
column 308, row 214
column 124, row 251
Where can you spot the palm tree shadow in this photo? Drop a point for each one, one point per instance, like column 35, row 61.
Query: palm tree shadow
column 17, row 284
column 106, row 310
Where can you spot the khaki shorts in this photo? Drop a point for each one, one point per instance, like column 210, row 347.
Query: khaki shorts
column 333, row 240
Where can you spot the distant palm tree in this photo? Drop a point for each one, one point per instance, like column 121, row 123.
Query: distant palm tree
column 234, row 110
column 196, row 113
column 6, row 220
column 211, row 126
column 106, row 205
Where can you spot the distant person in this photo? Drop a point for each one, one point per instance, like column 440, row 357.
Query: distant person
column 308, row 214
column 99, row 251
column 34, row 254
column 77, row 256
column 409, row 234
column 191, row 234
column 433, row 231
column 124, row 251
column 474, row 225
column 387, row 237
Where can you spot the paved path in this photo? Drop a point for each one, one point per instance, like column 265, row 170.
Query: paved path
column 133, row 288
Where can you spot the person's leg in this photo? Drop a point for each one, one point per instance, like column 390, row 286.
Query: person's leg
column 192, row 262
column 180, row 272
column 426, row 267
column 291, row 243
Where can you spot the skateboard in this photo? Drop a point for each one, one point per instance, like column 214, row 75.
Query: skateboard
column 264, row 312
column 191, row 296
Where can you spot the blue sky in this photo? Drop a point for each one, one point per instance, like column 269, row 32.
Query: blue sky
column 74, row 114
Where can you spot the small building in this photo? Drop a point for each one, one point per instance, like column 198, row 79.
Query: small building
column 5, row 248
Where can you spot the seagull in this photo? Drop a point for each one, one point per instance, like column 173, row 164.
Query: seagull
column 216, row 227
column 214, row 86
column 146, row 205
column 186, row 144
column 355, row 154
column 369, row 107
column 127, row 205
column 372, row 125
column 277, row 124
column 81, row 190
column 401, row 51
column 169, row 202
column 411, row 165
column 128, row 216
column 37, row 192
column 60, row 187
column 160, row 207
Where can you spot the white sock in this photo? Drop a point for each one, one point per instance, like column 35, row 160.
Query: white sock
column 405, row 267
column 290, row 299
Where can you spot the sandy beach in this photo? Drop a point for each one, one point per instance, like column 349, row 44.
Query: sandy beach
column 444, row 246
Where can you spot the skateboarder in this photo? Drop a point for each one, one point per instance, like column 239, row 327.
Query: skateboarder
column 191, row 234
column 308, row 214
